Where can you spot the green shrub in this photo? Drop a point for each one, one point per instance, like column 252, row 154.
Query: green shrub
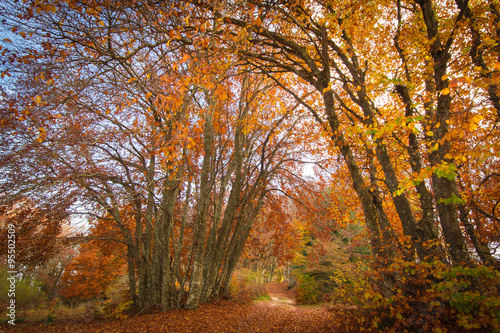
column 425, row 296
column 28, row 293
column 322, row 270
column 307, row 290
column 116, row 310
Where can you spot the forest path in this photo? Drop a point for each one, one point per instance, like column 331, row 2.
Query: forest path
column 278, row 315
column 280, row 294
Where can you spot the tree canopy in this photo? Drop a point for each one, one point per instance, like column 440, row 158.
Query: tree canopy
column 175, row 127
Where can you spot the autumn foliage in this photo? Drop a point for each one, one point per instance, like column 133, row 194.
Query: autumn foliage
column 91, row 273
column 355, row 143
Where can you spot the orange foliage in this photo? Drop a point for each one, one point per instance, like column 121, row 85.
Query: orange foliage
column 91, row 272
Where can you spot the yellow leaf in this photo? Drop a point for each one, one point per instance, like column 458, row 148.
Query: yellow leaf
column 471, row 126
column 444, row 77
column 489, row 42
column 149, row 94
column 448, row 156
column 473, row 122
column 38, row 99
column 477, row 118
column 132, row 79
column 497, row 66
column 101, row 23
column 445, row 91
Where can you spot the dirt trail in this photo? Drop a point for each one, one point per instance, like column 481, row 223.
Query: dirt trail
column 279, row 315
column 280, row 294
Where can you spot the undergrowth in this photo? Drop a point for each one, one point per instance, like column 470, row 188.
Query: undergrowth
column 244, row 287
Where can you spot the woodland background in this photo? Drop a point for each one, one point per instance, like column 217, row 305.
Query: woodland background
column 165, row 154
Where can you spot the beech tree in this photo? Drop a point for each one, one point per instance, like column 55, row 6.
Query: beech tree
column 171, row 125
column 389, row 81
column 156, row 137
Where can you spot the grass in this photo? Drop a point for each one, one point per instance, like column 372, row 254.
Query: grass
column 261, row 298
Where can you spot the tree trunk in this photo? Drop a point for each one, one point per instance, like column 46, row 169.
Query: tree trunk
column 131, row 273
column 363, row 191
column 197, row 278
column 444, row 186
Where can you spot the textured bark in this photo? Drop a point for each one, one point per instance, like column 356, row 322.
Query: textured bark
column 197, row 278
column 386, row 229
column 444, row 188
column 237, row 245
column 362, row 190
column 216, row 253
column 401, row 202
column 426, row 226
column 131, row 273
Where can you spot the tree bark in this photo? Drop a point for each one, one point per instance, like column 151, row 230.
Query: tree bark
column 445, row 188
column 197, row 278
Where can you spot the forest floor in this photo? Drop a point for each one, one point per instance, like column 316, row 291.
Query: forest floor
column 279, row 314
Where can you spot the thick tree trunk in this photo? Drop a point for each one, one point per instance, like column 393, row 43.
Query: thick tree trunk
column 386, row 229
column 444, row 186
column 363, row 191
column 237, row 246
column 131, row 273
column 445, row 189
column 426, row 227
column 146, row 277
column 223, row 235
column 176, row 265
column 197, row 278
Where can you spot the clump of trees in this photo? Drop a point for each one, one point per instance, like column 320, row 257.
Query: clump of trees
column 176, row 123
column 153, row 134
